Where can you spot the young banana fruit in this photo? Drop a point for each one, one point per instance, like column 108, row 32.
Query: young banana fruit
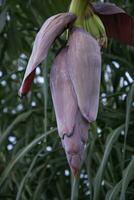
column 95, row 27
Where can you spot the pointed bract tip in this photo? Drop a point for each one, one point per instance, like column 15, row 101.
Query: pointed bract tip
column 74, row 171
column 74, row 148
column 74, row 163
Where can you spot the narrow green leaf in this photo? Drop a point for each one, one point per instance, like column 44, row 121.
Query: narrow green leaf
column 75, row 188
column 128, row 110
column 38, row 190
column 89, row 166
column 122, row 185
column 114, row 193
column 110, row 142
column 128, row 175
column 20, row 189
column 3, row 16
column 20, row 118
column 21, row 154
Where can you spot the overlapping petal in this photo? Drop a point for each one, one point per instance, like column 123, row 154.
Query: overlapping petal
column 84, row 65
column 118, row 24
column 64, row 98
column 74, row 145
column 54, row 26
column 72, row 127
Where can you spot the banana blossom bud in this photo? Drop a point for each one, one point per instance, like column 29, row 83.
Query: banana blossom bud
column 76, row 70
column 75, row 85
column 72, row 127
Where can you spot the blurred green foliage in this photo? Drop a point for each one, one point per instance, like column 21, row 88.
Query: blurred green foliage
column 32, row 161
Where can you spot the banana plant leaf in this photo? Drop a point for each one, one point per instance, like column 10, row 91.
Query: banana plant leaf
column 119, row 25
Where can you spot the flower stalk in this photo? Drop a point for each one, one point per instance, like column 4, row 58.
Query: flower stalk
column 78, row 7
column 88, row 20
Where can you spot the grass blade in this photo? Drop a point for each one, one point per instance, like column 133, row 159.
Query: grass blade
column 127, row 177
column 18, row 119
column 75, row 185
column 26, row 176
column 128, row 110
column 112, row 194
column 21, row 154
column 110, row 142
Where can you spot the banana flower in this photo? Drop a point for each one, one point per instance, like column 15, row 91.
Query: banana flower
column 76, row 70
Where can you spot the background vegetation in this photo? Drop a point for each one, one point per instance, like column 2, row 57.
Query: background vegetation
column 32, row 161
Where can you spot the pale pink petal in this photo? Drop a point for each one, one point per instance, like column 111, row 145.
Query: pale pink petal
column 84, row 64
column 63, row 95
column 53, row 27
column 74, row 144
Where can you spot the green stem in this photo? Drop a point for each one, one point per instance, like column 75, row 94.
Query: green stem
column 78, row 7
column 75, row 188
